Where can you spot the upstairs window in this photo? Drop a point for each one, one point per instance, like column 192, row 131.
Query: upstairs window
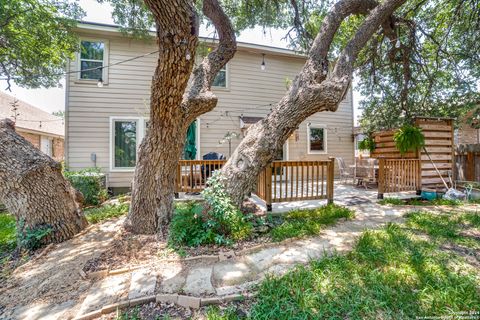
column 317, row 139
column 220, row 80
column 92, row 57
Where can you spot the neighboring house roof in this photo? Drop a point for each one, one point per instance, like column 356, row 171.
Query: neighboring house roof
column 31, row 118
column 109, row 28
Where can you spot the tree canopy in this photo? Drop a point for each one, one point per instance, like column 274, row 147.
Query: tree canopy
column 36, row 39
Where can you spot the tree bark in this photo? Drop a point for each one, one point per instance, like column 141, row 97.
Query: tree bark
column 173, row 107
column 34, row 190
column 314, row 90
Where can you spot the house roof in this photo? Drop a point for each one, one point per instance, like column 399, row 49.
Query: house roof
column 109, row 28
column 30, row 118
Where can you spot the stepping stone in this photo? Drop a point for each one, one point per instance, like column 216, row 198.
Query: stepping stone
column 171, row 278
column 104, row 292
column 232, row 273
column 228, row 290
column 263, row 259
column 199, row 282
column 142, row 283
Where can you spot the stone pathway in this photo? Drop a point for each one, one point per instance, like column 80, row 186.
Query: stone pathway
column 238, row 274
column 53, row 287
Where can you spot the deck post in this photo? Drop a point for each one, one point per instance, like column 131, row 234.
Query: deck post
column 330, row 178
column 419, row 176
column 381, row 177
column 268, row 187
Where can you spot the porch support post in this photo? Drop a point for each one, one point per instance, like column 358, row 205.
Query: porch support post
column 330, row 178
column 268, row 187
column 381, row 177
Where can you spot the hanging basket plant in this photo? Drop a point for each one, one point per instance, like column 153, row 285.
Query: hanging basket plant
column 409, row 138
column 367, row 144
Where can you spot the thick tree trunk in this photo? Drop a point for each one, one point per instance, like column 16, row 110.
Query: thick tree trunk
column 172, row 107
column 312, row 91
column 34, row 190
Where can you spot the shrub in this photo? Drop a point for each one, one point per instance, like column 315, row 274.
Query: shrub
column 89, row 183
column 8, row 237
column 217, row 220
column 31, row 238
column 367, row 144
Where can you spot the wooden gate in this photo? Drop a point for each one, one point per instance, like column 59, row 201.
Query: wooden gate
column 398, row 175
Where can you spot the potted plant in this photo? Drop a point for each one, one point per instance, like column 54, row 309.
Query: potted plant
column 409, row 138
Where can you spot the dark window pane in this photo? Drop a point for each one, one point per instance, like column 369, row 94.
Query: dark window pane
column 317, row 142
column 92, row 50
column 220, row 79
column 90, row 74
column 125, row 144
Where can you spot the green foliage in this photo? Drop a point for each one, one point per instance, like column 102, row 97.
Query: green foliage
column 229, row 313
column 31, row 237
column 299, row 223
column 37, row 40
column 408, row 138
column 367, row 144
column 89, row 183
column 217, row 220
column 8, row 232
column 96, row 215
column 420, row 202
column 390, row 274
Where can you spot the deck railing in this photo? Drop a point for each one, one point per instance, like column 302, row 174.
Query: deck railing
column 284, row 181
column 398, row 175
column 192, row 175
column 280, row 181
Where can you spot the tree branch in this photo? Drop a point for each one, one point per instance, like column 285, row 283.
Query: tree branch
column 199, row 98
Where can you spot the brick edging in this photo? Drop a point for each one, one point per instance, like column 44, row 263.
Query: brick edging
column 180, row 300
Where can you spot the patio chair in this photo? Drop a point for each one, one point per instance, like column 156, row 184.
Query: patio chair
column 345, row 172
column 365, row 172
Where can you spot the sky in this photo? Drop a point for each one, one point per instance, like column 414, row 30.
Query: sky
column 53, row 99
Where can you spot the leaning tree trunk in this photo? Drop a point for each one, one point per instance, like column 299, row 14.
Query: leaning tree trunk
column 314, row 90
column 34, row 190
column 172, row 107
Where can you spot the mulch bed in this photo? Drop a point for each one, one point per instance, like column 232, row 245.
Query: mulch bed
column 130, row 249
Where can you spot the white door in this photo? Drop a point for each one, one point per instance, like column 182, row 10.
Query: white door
column 46, row 145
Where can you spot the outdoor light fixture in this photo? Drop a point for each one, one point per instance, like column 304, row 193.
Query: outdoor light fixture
column 263, row 66
column 100, row 83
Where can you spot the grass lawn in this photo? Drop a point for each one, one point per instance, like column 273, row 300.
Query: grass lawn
column 428, row 267
column 420, row 202
column 307, row 222
column 8, row 237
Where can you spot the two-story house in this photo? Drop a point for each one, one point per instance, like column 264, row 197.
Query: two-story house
column 107, row 109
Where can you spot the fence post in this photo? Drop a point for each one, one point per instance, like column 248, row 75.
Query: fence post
column 178, row 183
column 268, row 187
column 470, row 167
column 419, row 177
column 381, row 177
column 330, row 178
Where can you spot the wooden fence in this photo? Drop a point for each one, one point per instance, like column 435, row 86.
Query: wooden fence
column 467, row 162
column 281, row 181
column 438, row 145
column 284, row 181
column 398, row 175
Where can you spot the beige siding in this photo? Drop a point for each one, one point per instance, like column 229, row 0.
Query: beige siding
column 250, row 93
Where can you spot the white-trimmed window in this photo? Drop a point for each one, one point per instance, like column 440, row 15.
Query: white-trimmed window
column 125, row 137
column 92, row 58
column 316, row 139
column 220, row 80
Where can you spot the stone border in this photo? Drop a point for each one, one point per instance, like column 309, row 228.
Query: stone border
column 222, row 256
column 180, row 300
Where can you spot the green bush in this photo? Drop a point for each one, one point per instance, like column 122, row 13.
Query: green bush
column 89, row 183
column 217, row 220
column 31, row 238
column 8, row 229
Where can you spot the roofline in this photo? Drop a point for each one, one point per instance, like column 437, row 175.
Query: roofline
column 95, row 26
column 41, row 133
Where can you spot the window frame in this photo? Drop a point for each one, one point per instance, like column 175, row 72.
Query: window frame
column 105, row 61
column 325, row 138
column 227, row 79
column 140, row 134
